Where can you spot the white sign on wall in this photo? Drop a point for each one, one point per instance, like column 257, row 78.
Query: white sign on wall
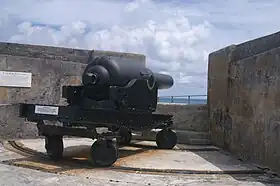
column 15, row 79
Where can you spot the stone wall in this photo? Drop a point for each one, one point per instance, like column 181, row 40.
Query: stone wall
column 13, row 127
column 190, row 123
column 243, row 100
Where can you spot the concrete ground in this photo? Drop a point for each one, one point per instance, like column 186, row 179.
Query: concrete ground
column 139, row 164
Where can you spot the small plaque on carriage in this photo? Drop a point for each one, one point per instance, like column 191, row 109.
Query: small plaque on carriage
column 48, row 110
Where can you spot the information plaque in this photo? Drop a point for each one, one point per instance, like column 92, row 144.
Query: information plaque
column 15, row 79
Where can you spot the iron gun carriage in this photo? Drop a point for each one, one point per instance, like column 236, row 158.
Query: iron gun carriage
column 115, row 94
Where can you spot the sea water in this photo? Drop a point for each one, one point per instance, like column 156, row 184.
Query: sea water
column 183, row 100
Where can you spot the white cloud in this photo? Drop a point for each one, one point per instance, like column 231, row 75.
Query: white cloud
column 176, row 37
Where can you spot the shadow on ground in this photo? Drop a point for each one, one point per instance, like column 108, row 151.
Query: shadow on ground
column 76, row 161
column 75, row 157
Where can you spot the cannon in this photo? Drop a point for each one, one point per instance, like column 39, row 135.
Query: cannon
column 116, row 94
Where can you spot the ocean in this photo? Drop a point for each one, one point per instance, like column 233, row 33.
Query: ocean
column 183, row 100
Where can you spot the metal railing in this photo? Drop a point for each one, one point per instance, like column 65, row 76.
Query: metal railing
column 184, row 99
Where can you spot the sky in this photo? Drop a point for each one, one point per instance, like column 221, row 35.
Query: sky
column 175, row 36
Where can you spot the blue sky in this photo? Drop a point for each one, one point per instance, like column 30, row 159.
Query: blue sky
column 176, row 36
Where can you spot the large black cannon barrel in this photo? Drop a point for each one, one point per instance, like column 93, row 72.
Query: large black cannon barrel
column 119, row 72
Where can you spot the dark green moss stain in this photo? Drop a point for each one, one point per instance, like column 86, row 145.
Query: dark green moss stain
column 223, row 121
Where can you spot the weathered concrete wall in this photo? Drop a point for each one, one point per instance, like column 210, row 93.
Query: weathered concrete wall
column 13, row 127
column 190, row 123
column 243, row 99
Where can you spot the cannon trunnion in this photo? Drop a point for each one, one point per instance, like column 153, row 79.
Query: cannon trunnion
column 116, row 94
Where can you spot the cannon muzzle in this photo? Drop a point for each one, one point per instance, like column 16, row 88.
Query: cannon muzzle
column 163, row 81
